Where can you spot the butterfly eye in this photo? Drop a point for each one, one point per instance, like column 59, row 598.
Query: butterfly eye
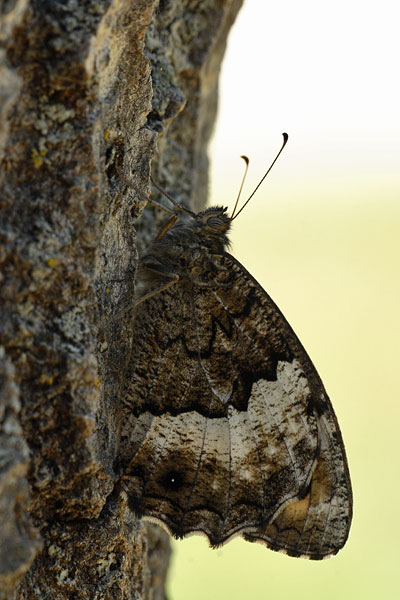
column 215, row 222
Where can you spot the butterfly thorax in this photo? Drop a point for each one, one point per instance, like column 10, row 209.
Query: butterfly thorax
column 190, row 242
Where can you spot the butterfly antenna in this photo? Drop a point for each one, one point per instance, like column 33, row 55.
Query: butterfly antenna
column 285, row 139
column 174, row 202
column 246, row 160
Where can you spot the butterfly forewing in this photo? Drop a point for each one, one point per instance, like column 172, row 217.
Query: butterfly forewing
column 227, row 429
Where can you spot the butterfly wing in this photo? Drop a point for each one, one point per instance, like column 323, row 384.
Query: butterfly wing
column 227, row 429
column 317, row 523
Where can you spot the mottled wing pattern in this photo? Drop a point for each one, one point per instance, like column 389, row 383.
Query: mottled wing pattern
column 227, row 428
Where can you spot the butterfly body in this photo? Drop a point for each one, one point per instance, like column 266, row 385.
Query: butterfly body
column 226, row 427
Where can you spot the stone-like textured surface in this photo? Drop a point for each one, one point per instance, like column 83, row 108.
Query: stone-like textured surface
column 83, row 90
column 19, row 540
column 108, row 557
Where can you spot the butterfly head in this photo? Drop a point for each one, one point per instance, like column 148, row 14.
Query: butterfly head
column 215, row 219
column 214, row 222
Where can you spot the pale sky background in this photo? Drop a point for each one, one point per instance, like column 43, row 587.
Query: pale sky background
column 328, row 74
column 322, row 237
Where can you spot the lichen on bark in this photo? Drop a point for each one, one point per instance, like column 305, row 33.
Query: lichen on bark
column 86, row 86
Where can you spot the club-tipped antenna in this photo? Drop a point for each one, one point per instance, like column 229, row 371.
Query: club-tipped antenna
column 246, row 160
column 285, row 139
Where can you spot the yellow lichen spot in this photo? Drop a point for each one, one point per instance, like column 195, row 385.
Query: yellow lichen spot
column 97, row 382
column 106, row 135
column 107, row 290
column 37, row 158
column 46, row 379
column 52, row 262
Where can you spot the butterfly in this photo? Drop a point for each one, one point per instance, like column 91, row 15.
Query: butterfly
column 226, row 427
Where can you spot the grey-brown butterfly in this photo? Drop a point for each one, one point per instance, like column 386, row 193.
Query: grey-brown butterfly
column 226, row 426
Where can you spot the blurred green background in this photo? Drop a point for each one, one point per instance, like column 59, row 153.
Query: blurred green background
column 322, row 237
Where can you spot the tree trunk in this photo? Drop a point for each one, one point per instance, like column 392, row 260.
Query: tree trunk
column 86, row 88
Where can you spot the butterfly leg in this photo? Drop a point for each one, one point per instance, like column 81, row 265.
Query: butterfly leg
column 170, row 223
column 161, row 286
column 140, row 193
column 142, row 295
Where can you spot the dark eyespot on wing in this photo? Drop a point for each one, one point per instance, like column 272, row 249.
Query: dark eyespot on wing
column 173, row 480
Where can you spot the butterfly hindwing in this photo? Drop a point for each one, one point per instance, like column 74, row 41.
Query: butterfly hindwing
column 227, row 429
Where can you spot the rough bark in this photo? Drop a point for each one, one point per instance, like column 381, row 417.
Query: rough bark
column 86, row 87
